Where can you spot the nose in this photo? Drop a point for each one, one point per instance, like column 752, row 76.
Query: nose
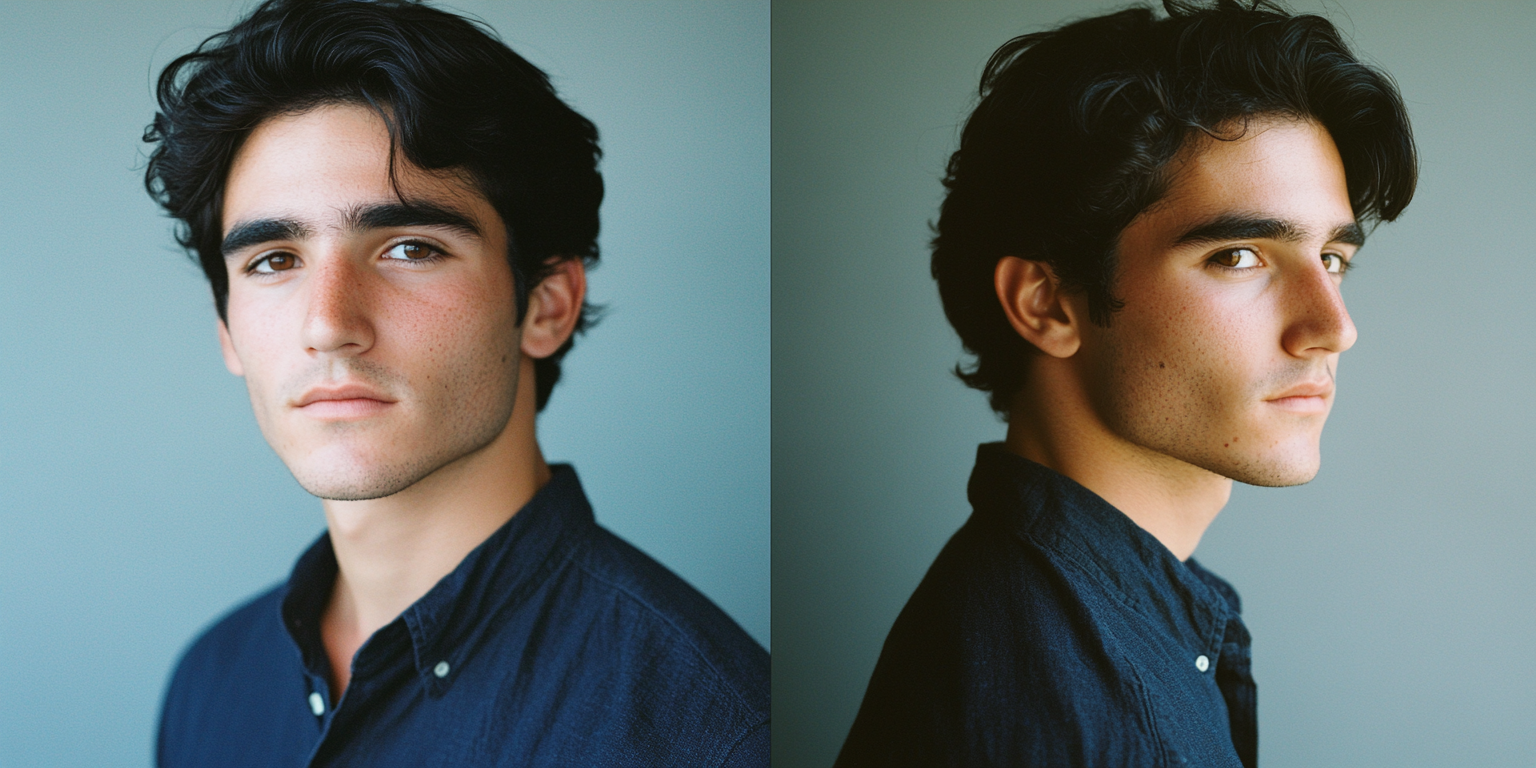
column 1317, row 323
column 336, row 319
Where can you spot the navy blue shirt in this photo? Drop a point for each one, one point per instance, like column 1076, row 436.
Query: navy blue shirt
column 552, row 643
column 1053, row 631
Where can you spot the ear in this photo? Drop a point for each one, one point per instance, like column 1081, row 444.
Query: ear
column 1036, row 307
column 554, row 306
column 227, row 346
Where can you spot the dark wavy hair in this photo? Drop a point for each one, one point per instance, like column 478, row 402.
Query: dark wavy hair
column 451, row 94
column 1076, row 126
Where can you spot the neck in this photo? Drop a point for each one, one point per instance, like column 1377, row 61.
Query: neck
column 1053, row 424
column 391, row 551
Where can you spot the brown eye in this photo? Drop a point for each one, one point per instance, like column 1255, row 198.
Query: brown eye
column 411, row 252
column 277, row 262
column 1236, row 258
column 1335, row 263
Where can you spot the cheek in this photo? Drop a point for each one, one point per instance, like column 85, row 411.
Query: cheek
column 256, row 336
column 1197, row 349
column 463, row 330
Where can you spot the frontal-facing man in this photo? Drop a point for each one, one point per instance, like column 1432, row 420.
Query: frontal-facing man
column 395, row 212
column 1147, row 224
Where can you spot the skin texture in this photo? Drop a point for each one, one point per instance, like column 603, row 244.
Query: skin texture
column 426, row 444
column 1221, row 364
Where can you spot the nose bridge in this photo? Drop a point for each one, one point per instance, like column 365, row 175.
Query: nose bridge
column 336, row 311
column 1319, row 320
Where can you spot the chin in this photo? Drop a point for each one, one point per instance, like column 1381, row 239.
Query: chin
column 353, row 489
column 1272, row 470
column 353, row 480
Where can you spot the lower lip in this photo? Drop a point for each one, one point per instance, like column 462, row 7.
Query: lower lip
column 357, row 408
column 1312, row 404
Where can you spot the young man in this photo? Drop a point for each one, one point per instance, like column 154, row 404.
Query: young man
column 395, row 212
column 1147, row 223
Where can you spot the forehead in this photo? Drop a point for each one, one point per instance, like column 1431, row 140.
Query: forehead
column 329, row 159
column 1278, row 168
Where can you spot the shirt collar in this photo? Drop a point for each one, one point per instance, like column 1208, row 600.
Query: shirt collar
column 445, row 625
column 1041, row 504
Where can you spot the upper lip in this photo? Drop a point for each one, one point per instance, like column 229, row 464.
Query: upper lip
column 1322, row 388
column 343, row 392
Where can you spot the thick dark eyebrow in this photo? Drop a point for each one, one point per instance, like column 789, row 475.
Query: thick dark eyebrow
column 1239, row 227
column 416, row 214
column 249, row 233
column 357, row 219
column 1349, row 234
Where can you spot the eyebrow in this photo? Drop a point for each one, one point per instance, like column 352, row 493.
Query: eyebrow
column 249, row 233
column 419, row 214
column 356, row 219
column 1239, row 227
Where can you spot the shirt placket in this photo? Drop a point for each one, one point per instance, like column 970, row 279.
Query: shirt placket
column 1234, row 676
column 375, row 661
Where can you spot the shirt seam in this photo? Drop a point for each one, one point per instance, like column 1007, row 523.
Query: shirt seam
column 1092, row 574
column 654, row 611
column 1143, row 690
column 1145, row 694
column 745, row 734
column 1114, row 591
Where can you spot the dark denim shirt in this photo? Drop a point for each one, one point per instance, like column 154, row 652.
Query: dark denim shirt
column 1053, row 631
column 552, row 643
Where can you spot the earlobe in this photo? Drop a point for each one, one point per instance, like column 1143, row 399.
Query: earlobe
column 227, row 346
column 1036, row 307
column 554, row 307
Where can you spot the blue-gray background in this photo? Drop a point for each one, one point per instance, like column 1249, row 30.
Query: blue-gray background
column 1392, row 600
column 137, row 497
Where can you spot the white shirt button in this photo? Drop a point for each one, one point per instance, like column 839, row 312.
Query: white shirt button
column 441, row 670
column 316, row 704
column 1202, row 663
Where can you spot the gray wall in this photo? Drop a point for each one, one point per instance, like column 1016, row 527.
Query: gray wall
column 137, row 498
column 1390, row 599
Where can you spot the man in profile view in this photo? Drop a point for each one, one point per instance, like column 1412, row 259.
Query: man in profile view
column 1146, row 228
column 395, row 213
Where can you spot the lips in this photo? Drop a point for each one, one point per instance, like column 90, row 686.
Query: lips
column 342, row 393
column 1309, row 398
column 343, row 403
column 1306, row 389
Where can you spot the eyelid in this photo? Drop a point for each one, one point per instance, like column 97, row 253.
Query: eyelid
column 261, row 258
column 438, row 250
column 1257, row 252
column 1346, row 263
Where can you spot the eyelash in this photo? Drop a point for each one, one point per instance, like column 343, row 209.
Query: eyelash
column 1345, row 265
column 435, row 254
column 251, row 269
column 1211, row 261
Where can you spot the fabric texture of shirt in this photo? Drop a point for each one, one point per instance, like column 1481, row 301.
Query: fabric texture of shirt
column 1053, row 631
column 552, row 643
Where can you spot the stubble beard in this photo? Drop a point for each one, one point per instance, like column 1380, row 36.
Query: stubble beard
column 474, row 411
column 1189, row 417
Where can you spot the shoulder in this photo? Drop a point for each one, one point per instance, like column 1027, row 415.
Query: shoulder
column 1003, row 654
column 233, row 672
column 672, row 662
column 994, row 586
column 245, row 631
column 675, row 616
